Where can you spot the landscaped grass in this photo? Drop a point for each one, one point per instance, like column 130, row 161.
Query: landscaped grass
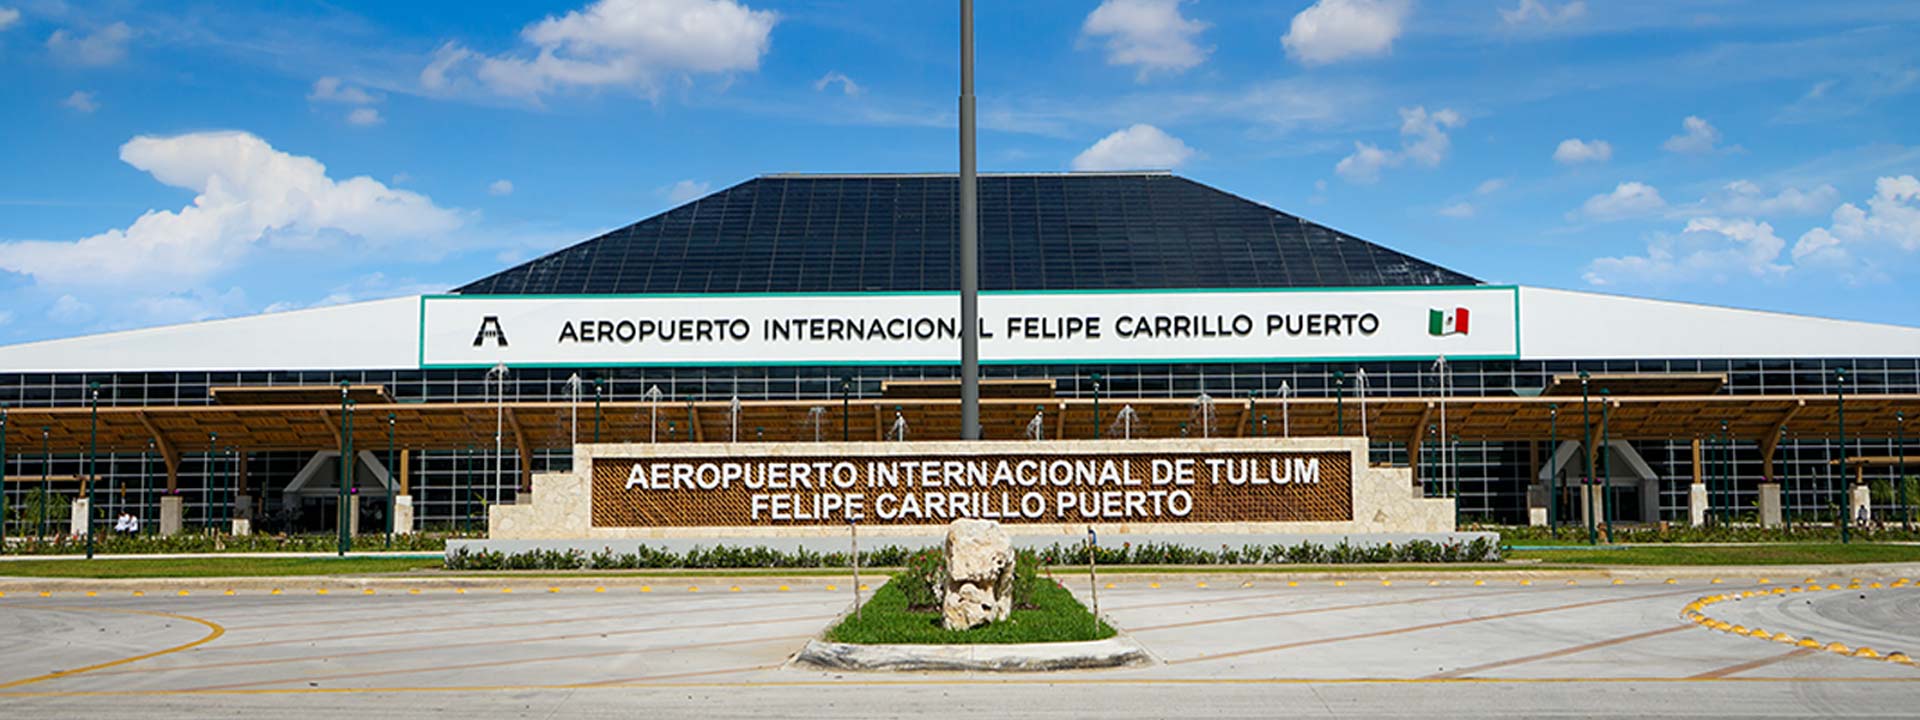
column 212, row 567
column 1775, row 554
column 885, row 619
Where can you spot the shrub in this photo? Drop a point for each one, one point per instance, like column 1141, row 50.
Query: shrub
column 1026, row 578
column 920, row 580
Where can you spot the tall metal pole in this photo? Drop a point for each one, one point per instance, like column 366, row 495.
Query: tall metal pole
column 390, row 486
column 346, row 464
column 596, row 410
column 146, row 486
column 1440, row 365
column 1586, row 463
column 213, row 471
column 846, row 409
column 969, row 241
column 1553, row 469
column 46, row 482
column 1846, row 498
column 1899, row 475
column 3, row 477
column 1606, row 464
column 499, row 431
column 1455, row 472
column 1339, row 398
column 93, row 450
column 1728, row 494
column 1096, row 408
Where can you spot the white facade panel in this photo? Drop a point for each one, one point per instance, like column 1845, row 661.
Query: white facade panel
column 377, row 335
column 1016, row 327
column 1567, row 325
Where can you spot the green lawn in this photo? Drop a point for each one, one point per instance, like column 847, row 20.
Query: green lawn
column 1780, row 554
column 212, row 567
column 885, row 619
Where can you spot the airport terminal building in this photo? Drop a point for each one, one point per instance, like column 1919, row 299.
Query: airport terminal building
column 803, row 307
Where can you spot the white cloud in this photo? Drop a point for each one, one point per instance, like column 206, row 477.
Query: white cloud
column 1364, row 165
column 687, row 191
column 69, row 309
column 1423, row 140
column 6, row 316
column 1709, row 250
column 847, row 85
column 614, row 43
column 372, row 286
column 1889, row 223
column 331, row 89
column 1745, row 198
column 1148, row 34
column 1699, row 137
column 500, row 187
column 1573, row 151
column 364, row 117
column 1139, row 147
column 1491, row 186
column 248, row 193
column 1334, row 30
column 1458, row 210
column 8, row 16
column 1541, row 12
column 105, row 46
column 1628, row 199
column 81, row 102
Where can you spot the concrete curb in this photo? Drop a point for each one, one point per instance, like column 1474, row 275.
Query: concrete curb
column 1117, row 651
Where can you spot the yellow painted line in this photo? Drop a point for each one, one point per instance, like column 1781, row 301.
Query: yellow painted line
column 368, row 591
column 553, row 590
column 1386, row 583
column 459, row 591
column 506, row 590
column 413, row 591
column 229, row 592
column 183, row 593
column 950, row 682
column 1479, row 583
column 1339, row 583
column 1526, row 582
column 1618, row 581
column 1671, row 581
column 1109, row 586
column 44, row 593
column 863, row 587
column 321, row 591
column 214, row 633
column 1155, row 586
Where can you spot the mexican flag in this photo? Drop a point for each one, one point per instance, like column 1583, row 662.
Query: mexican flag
column 1447, row 322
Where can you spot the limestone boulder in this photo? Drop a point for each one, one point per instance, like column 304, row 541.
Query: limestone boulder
column 978, row 585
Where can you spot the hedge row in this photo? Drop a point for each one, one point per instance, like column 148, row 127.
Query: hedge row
column 722, row 556
column 117, row 544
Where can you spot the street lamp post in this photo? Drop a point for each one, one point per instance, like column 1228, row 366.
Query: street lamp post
column 1096, row 406
column 1440, row 369
column 1339, row 397
column 969, row 240
column 1899, row 475
column 346, row 466
column 1553, row 469
column 1728, row 485
column 93, row 451
column 1360, row 389
column 1606, row 463
column 391, row 420
column 46, row 481
column 1846, row 499
column 596, row 410
column 146, row 485
column 1586, row 462
column 499, row 373
column 846, row 409
column 1455, row 472
column 3, row 476
column 1286, row 421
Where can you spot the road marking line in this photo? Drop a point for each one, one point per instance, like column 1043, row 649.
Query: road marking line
column 1562, row 652
column 1311, row 611
column 1417, row 628
column 1751, row 664
column 214, row 633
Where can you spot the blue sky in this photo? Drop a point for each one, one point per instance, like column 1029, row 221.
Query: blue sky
column 169, row 162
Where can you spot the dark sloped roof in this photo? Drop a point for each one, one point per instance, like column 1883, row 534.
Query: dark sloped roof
column 857, row 233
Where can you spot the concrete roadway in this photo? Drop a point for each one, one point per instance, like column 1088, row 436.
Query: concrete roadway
column 1235, row 647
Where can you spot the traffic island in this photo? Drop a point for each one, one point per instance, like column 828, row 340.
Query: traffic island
column 1055, row 633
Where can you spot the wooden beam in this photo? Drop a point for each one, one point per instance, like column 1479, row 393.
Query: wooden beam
column 1771, row 441
column 1696, row 461
column 1418, row 439
column 406, row 472
column 168, row 455
column 526, row 454
column 694, row 430
column 1240, row 430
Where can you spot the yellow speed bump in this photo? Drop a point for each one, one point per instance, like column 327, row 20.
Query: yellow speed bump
column 1899, row 657
column 1866, row 652
column 1573, row 582
column 1841, row 648
column 1671, row 581
column 1807, row 642
column 506, row 590
column 44, row 593
column 1765, row 581
column 1715, row 581
column 1433, row 583
column 228, row 593
column 275, row 591
column 864, row 587
column 1757, row 632
column 646, row 588
column 1783, row 638
column 136, row 593
column 1736, row 629
column 459, row 591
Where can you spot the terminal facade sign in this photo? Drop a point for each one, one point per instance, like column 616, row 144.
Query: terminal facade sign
column 934, row 489
column 923, row 328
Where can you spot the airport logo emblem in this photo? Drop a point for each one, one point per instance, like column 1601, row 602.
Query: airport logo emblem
column 1443, row 322
column 490, row 329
